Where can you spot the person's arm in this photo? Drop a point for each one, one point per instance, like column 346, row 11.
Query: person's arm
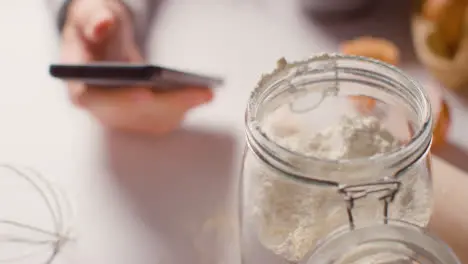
column 140, row 10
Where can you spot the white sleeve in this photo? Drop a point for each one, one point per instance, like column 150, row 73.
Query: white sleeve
column 55, row 6
column 140, row 9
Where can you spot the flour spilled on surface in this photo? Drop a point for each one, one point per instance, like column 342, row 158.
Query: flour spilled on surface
column 292, row 217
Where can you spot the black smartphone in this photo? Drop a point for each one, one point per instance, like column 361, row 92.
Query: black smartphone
column 120, row 75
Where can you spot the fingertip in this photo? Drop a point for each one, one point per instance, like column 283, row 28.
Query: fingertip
column 100, row 25
column 76, row 93
column 197, row 95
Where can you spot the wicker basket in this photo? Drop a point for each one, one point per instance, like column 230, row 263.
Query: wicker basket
column 452, row 73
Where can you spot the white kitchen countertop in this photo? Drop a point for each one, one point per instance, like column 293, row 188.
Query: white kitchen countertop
column 119, row 185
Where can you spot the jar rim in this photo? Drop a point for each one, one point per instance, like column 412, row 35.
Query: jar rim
column 375, row 230
column 418, row 139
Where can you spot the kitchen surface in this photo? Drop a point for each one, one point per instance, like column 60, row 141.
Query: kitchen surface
column 142, row 200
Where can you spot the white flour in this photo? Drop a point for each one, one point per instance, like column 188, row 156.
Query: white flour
column 353, row 137
column 291, row 217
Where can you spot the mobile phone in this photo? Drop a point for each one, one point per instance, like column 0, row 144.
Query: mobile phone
column 121, row 75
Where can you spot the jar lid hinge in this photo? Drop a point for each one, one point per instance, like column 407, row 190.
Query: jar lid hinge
column 387, row 189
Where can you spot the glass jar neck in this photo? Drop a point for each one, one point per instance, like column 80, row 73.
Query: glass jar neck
column 384, row 77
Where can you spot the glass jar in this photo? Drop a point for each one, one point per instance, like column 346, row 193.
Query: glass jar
column 395, row 242
column 291, row 197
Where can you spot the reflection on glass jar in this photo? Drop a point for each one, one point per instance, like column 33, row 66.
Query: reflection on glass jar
column 307, row 141
column 396, row 242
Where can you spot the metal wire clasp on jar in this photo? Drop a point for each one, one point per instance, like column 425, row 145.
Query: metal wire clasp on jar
column 315, row 161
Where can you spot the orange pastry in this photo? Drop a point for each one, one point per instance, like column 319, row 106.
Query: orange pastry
column 441, row 127
column 364, row 104
column 432, row 9
column 448, row 18
column 376, row 48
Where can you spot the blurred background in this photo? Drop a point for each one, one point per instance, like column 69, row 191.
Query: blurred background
column 110, row 176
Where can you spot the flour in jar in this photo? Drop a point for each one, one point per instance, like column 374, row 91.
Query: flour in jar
column 353, row 137
column 291, row 217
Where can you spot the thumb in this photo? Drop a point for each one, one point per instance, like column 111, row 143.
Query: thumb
column 99, row 25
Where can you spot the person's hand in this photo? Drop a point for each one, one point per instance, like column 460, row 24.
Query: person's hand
column 102, row 30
